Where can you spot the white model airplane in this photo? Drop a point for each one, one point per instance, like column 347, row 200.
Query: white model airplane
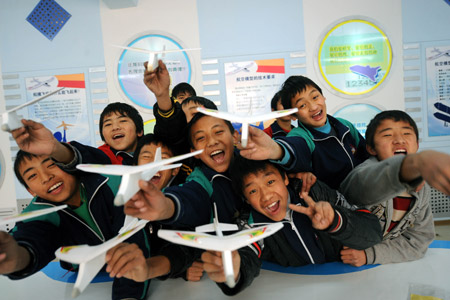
column 30, row 215
column 92, row 258
column 246, row 120
column 153, row 56
column 219, row 242
column 131, row 174
column 10, row 119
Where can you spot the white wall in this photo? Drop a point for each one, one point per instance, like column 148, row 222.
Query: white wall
column 176, row 19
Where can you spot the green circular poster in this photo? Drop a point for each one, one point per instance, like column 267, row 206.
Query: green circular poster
column 355, row 57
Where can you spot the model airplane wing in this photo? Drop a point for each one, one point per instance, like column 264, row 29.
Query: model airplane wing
column 154, row 55
column 30, row 215
column 92, row 258
column 10, row 119
column 215, row 243
column 132, row 174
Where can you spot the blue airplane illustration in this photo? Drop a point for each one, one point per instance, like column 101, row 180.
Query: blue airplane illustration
column 367, row 71
column 443, row 108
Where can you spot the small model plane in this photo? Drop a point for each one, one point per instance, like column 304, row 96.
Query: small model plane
column 92, row 258
column 30, row 215
column 10, row 119
column 219, row 242
column 153, row 56
column 442, row 108
column 131, row 174
column 246, row 120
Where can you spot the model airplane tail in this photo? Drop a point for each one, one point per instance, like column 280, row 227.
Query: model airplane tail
column 10, row 119
column 92, row 258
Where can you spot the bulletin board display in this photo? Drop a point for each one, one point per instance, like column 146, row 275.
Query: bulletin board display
column 359, row 114
column 354, row 57
column 130, row 70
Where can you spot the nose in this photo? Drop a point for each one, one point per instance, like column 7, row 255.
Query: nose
column 266, row 194
column 312, row 105
column 399, row 138
column 46, row 177
column 212, row 141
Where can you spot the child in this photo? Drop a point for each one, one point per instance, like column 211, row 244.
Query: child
column 191, row 204
column 145, row 153
column 282, row 126
column 313, row 235
column 121, row 126
column 388, row 183
column 90, row 218
column 328, row 147
column 182, row 91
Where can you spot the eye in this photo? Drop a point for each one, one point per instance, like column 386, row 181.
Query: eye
column 106, row 124
column 51, row 165
column 270, row 182
column 252, row 191
column 219, row 132
column 303, row 105
column 199, row 139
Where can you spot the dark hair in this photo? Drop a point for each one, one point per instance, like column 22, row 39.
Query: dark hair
column 195, row 120
column 122, row 109
column 149, row 139
column 241, row 167
column 200, row 101
column 20, row 158
column 183, row 87
column 395, row 115
column 274, row 101
column 294, row 85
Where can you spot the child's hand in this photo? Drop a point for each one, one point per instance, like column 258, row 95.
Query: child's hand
column 158, row 80
column 13, row 257
column 353, row 257
column 321, row 213
column 127, row 260
column 35, row 138
column 212, row 263
column 308, row 180
column 434, row 167
column 260, row 146
column 149, row 203
column 195, row 272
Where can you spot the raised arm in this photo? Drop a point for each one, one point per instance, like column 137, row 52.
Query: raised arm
column 13, row 257
column 158, row 82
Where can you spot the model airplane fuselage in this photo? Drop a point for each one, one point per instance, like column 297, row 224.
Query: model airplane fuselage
column 219, row 242
column 132, row 174
column 246, row 120
column 10, row 119
column 29, row 215
column 153, row 56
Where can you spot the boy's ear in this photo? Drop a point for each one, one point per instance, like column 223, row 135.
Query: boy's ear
column 286, row 179
column 371, row 150
column 175, row 171
column 31, row 192
column 141, row 133
column 236, row 136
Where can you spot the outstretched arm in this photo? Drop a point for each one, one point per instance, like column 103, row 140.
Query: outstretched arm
column 432, row 166
column 13, row 257
column 35, row 138
column 260, row 146
column 158, row 81
column 149, row 203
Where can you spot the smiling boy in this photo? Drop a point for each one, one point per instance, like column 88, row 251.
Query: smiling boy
column 389, row 184
column 326, row 146
column 121, row 126
column 90, row 218
column 314, row 231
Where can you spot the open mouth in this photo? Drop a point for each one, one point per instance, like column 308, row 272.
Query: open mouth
column 155, row 179
column 400, row 151
column 54, row 187
column 317, row 116
column 273, row 207
column 218, row 156
column 118, row 136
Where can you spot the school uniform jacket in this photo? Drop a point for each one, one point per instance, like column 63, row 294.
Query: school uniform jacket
column 275, row 130
column 42, row 236
column 328, row 157
column 374, row 184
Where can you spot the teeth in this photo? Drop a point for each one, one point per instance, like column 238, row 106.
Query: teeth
column 316, row 114
column 117, row 135
column 53, row 187
column 216, row 152
column 400, row 151
column 272, row 205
